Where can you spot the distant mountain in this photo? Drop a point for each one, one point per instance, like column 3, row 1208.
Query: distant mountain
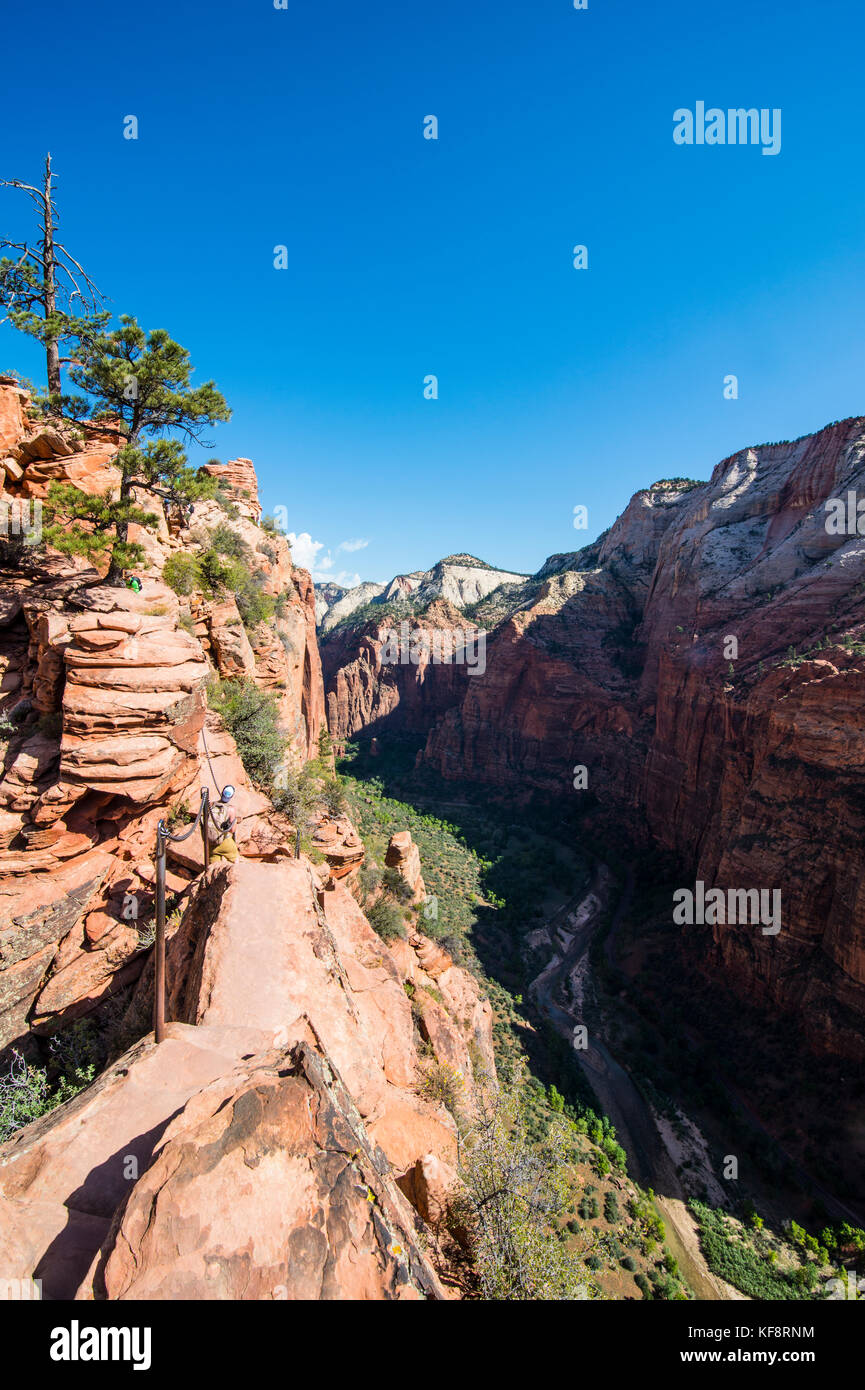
column 461, row 579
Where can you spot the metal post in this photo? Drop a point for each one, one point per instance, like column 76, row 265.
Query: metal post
column 159, row 981
column 204, row 812
column 297, row 846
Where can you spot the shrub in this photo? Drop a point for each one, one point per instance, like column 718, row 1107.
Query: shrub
column 611, row 1208
column 515, row 1188
column 181, row 573
column 226, row 541
column 334, row 797
column 629, row 1263
column 295, row 794
column 28, row 1091
column 24, row 1096
column 396, row 886
column 369, row 877
column 386, row 920
column 444, row 1085
column 251, row 715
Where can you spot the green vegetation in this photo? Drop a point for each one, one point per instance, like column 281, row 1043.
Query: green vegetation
column 225, row 565
column 515, row 1188
column 385, row 918
column 744, row 1260
column 28, row 1090
column 181, row 573
column 251, row 715
column 143, row 381
column 680, row 484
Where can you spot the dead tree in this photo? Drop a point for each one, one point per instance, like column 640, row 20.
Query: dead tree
column 42, row 284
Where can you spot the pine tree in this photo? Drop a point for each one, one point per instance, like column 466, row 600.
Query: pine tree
column 42, row 284
column 141, row 383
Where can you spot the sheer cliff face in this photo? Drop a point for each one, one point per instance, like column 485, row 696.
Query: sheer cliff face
column 102, row 711
column 752, row 776
column 367, row 688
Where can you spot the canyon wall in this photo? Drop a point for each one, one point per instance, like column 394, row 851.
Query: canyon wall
column 104, row 725
column 704, row 663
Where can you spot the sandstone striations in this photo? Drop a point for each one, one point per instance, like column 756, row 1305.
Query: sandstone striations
column 103, row 711
column 283, row 1141
column 276, row 1129
column 744, row 761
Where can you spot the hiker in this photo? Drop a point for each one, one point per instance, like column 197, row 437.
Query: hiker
column 220, row 828
column 134, row 583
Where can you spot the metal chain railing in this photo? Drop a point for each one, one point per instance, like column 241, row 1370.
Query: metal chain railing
column 164, row 837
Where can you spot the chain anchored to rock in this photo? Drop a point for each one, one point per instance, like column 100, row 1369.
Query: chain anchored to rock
column 164, row 837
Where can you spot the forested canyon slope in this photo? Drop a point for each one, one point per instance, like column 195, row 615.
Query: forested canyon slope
column 704, row 662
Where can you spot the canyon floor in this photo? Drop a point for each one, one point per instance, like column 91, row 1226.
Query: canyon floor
column 583, row 956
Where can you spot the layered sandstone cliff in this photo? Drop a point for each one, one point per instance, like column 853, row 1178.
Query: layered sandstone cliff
column 273, row 1145
column 667, row 660
column 104, row 726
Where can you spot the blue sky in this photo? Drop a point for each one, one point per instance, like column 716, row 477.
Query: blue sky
column 303, row 127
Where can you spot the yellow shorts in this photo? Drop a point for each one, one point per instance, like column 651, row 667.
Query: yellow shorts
column 226, row 849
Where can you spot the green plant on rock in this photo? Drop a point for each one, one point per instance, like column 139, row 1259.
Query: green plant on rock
column 142, row 381
column 181, row 573
column 516, row 1187
column 386, row 920
column 251, row 716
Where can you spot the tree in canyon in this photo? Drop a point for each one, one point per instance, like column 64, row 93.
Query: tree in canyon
column 140, row 384
column 43, row 288
column 514, row 1188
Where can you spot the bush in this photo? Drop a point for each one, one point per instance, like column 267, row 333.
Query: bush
column 369, row 877
column 251, row 715
column 643, row 1285
column 295, row 794
column 386, row 920
column 24, row 1096
column 226, row 541
column 515, row 1187
column 333, row 797
column 28, row 1091
column 444, row 1085
column 629, row 1263
column 181, row 573
column 396, row 886
column 611, row 1208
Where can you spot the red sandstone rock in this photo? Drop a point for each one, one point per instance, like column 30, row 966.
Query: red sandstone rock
column 619, row 666
column 404, row 856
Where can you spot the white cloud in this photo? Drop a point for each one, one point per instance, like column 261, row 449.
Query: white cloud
column 304, row 550
column 307, row 553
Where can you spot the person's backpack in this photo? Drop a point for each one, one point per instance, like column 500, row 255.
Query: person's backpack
column 222, row 816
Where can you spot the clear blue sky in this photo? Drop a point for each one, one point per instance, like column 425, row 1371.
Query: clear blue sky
column 558, row 387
